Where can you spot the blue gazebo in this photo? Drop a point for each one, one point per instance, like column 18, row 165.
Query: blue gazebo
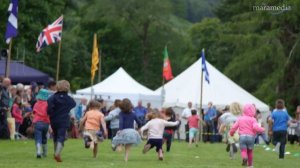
column 21, row 73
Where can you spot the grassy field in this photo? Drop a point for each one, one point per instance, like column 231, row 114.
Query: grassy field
column 21, row 154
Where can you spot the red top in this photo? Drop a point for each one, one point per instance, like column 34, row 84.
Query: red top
column 193, row 121
column 17, row 113
column 40, row 112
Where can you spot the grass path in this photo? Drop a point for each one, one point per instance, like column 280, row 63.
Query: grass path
column 21, row 154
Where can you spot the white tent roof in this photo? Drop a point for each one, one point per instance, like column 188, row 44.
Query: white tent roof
column 221, row 90
column 121, row 85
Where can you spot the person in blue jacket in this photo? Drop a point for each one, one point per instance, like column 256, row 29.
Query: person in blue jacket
column 280, row 120
column 59, row 106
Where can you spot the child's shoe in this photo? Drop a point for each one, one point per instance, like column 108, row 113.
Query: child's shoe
column 228, row 148
column 57, row 158
column 244, row 163
column 100, row 135
column 87, row 141
column 114, row 147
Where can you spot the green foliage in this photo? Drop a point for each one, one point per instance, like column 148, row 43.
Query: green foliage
column 259, row 50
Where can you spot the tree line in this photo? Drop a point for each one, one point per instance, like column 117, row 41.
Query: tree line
column 259, row 50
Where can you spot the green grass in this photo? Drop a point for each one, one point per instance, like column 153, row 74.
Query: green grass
column 21, row 154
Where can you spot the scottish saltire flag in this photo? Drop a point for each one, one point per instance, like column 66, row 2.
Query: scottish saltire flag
column 51, row 34
column 12, row 23
column 204, row 67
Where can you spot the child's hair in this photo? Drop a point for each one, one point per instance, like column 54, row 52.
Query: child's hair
column 51, row 84
column 279, row 104
column 63, row 86
column 126, row 105
column 16, row 100
column 117, row 102
column 169, row 112
column 235, row 108
column 152, row 115
column 93, row 104
column 194, row 112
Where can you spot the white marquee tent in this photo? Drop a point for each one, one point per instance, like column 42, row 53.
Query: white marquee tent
column 121, row 85
column 221, row 90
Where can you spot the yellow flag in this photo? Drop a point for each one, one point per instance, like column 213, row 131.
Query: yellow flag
column 95, row 58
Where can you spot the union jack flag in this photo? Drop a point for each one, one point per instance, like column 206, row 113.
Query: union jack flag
column 51, row 34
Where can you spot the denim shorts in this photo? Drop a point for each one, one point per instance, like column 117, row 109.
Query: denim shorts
column 193, row 132
column 247, row 141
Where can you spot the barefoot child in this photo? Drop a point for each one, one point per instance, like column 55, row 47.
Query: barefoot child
column 92, row 120
column 127, row 135
column 41, row 123
column 155, row 127
column 248, row 127
column 193, row 122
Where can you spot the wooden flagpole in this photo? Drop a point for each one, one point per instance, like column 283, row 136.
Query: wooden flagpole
column 163, row 92
column 99, row 66
column 92, row 89
column 8, row 59
column 58, row 61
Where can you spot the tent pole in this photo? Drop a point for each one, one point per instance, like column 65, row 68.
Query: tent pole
column 7, row 72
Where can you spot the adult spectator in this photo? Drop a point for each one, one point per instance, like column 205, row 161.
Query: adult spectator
column 149, row 108
column 187, row 112
column 4, row 108
column 140, row 111
column 209, row 117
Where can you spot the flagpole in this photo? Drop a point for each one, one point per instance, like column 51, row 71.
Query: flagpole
column 8, row 59
column 92, row 89
column 200, row 111
column 58, row 61
column 163, row 92
column 99, row 70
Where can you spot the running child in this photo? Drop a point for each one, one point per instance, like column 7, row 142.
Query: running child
column 193, row 122
column 92, row 121
column 127, row 135
column 155, row 127
column 247, row 127
column 41, row 123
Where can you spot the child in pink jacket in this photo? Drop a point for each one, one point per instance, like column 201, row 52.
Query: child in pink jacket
column 17, row 114
column 248, row 127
